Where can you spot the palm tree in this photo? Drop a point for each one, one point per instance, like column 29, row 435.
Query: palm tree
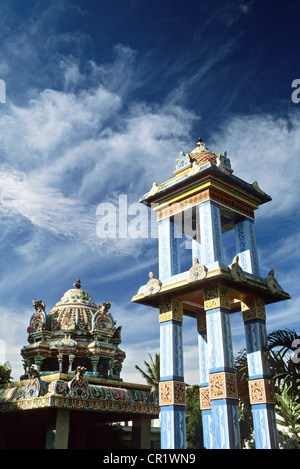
column 152, row 373
column 286, row 374
column 194, row 436
column 282, row 360
column 288, row 413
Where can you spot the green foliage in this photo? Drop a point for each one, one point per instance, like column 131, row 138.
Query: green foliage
column 244, row 407
column 5, row 373
column 288, row 411
column 285, row 370
column 194, row 436
column 286, row 375
column 194, row 433
column 152, row 373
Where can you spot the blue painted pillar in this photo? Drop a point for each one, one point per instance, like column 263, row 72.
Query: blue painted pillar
column 168, row 248
column 196, row 243
column 222, row 378
column 262, row 396
column 205, row 404
column 245, row 241
column 207, row 245
column 172, row 386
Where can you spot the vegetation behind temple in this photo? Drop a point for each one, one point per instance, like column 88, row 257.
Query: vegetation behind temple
column 286, row 375
column 285, row 370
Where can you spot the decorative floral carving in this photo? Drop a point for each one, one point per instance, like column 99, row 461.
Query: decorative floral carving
column 171, row 393
column 261, row 391
column 58, row 388
column 205, row 403
column 217, row 386
column 223, row 385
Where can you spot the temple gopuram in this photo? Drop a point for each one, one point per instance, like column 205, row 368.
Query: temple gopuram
column 72, row 387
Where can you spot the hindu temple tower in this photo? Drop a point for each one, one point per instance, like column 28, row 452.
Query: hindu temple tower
column 204, row 200
column 72, row 388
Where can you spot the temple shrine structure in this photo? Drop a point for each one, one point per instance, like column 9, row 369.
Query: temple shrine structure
column 71, row 385
column 203, row 200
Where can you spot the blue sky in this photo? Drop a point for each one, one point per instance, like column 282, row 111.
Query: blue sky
column 100, row 98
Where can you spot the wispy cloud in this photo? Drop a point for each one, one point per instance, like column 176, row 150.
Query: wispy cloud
column 265, row 148
column 76, row 132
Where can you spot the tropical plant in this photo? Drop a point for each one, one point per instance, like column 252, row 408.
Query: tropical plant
column 244, row 408
column 288, row 412
column 5, row 373
column 284, row 367
column 152, row 373
column 194, row 435
column 194, row 432
column 283, row 363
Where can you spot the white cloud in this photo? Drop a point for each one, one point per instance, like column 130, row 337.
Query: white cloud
column 266, row 149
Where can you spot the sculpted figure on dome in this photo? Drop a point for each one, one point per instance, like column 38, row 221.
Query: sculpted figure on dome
column 102, row 320
column 38, row 319
column 182, row 161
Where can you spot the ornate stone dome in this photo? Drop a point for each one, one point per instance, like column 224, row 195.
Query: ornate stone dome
column 74, row 312
column 75, row 332
column 201, row 154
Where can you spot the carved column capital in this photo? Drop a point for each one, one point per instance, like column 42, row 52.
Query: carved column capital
column 216, row 297
column 253, row 308
column 172, row 310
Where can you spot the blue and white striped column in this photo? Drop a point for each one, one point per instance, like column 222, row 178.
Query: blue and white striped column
column 205, row 404
column 172, row 386
column 168, row 248
column 222, row 378
column 262, row 397
column 208, row 245
column 245, row 241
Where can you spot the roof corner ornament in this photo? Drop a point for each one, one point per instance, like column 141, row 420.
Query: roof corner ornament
column 257, row 188
column 272, row 283
column 154, row 189
column 196, row 167
column 182, row 161
column 197, row 271
column 236, row 270
column 153, row 286
column 224, row 163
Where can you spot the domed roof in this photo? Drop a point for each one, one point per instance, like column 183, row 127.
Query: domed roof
column 74, row 311
column 201, row 154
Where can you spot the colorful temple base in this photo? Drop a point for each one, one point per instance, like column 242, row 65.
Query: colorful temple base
column 71, row 387
column 45, row 411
